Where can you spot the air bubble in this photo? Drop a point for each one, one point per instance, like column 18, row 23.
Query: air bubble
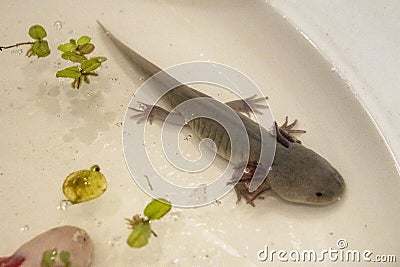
column 17, row 52
column 24, row 228
column 58, row 25
column 64, row 204
column 115, row 242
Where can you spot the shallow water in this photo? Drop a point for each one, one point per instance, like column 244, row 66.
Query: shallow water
column 50, row 130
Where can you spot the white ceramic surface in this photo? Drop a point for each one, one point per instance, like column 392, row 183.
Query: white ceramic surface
column 360, row 39
column 50, row 130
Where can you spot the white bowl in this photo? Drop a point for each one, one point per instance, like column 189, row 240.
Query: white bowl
column 50, row 130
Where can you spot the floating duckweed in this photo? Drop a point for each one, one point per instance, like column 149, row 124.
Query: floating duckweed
column 49, row 258
column 140, row 234
column 157, row 208
column 141, row 228
column 84, row 185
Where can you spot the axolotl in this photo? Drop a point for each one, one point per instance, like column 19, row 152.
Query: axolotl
column 298, row 174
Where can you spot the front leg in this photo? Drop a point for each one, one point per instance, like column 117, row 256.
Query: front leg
column 243, row 175
column 285, row 133
column 242, row 190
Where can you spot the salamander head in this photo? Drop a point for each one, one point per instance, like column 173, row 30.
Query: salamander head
column 303, row 176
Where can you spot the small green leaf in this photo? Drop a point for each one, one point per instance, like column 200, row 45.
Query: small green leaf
column 73, row 56
column 77, row 58
column 83, row 40
column 41, row 48
column 86, row 48
column 72, row 41
column 157, row 208
column 37, row 32
column 68, row 54
column 65, row 257
column 49, row 258
column 140, row 235
column 100, row 59
column 90, row 65
column 71, row 72
column 67, row 47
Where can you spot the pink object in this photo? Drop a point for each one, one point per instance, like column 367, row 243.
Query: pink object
column 72, row 239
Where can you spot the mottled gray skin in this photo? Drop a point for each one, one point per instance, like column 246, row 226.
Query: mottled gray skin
column 298, row 174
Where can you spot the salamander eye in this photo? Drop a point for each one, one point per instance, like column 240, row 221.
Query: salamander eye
column 318, row 194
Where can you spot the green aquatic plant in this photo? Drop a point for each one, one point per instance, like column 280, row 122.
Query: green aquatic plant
column 49, row 258
column 76, row 51
column 141, row 228
column 39, row 47
column 84, row 185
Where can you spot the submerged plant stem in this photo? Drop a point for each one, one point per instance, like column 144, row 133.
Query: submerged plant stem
column 16, row 45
